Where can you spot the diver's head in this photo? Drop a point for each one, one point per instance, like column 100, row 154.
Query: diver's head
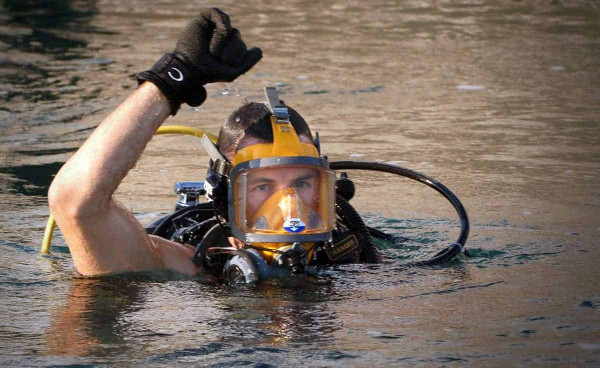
column 281, row 192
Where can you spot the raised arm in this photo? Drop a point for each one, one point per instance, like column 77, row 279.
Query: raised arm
column 102, row 235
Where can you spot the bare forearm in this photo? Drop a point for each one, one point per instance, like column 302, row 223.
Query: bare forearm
column 102, row 235
column 90, row 177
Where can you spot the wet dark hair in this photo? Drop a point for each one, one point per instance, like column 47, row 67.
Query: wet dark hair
column 252, row 119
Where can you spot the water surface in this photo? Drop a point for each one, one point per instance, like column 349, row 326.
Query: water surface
column 496, row 99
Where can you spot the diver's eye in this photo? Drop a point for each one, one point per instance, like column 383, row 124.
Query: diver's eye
column 261, row 188
column 301, row 184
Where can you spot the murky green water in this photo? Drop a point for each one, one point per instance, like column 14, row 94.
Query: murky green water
column 496, row 99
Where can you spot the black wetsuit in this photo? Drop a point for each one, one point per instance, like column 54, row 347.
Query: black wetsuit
column 352, row 242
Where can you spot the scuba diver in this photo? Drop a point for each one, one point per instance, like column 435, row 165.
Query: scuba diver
column 274, row 204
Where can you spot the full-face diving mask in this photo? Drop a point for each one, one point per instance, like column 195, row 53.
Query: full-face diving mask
column 281, row 194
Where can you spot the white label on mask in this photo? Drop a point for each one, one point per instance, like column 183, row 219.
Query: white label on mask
column 294, row 225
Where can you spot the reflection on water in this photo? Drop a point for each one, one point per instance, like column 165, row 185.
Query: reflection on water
column 89, row 322
column 31, row 179
column 45, row 56
column 498, row 100
column 38, row 23
column 47, row 28
column 99, row 314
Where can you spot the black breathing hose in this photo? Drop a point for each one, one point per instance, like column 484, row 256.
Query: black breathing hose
column 453, row 249
column 369, row 253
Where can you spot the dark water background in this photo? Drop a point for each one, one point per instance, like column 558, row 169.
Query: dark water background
column 499, row 100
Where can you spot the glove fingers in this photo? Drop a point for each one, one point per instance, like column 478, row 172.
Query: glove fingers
column 213, row 50
column 234, row 50
column 204, row 33
column 253, row 56
column 221, row 31
column 225, row 73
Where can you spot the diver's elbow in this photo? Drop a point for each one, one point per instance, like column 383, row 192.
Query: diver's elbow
column 67, row 203
column 60, row 202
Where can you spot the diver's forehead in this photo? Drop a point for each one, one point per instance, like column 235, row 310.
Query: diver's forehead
column 282, row 173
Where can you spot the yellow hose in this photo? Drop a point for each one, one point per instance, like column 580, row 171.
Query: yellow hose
column 170, row 129
column 183, row 130
column 48, row 235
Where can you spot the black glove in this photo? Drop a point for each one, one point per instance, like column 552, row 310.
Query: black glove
column 208, row 50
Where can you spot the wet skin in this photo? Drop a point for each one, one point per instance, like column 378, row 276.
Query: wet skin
column 262, row 184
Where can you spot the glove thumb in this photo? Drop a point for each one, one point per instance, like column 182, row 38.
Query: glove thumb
column 197, row 97
column 252, row 57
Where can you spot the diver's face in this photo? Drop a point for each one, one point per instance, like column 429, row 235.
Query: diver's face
column 262, row 184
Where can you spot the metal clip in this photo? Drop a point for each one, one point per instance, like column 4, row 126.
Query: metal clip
column 280, row 112
column 189, row 192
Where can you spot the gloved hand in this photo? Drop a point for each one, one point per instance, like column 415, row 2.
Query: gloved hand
column 208, row 50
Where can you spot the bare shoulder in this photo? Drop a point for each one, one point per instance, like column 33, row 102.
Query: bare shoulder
column 175, row 256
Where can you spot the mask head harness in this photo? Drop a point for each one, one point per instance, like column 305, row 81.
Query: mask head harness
column 280, row 195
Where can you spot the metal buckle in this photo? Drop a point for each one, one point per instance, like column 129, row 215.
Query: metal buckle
column 280, row 112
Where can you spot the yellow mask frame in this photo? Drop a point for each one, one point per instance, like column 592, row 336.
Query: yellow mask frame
column 285, row 150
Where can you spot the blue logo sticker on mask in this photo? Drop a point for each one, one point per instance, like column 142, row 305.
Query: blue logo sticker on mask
column 294, row 225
